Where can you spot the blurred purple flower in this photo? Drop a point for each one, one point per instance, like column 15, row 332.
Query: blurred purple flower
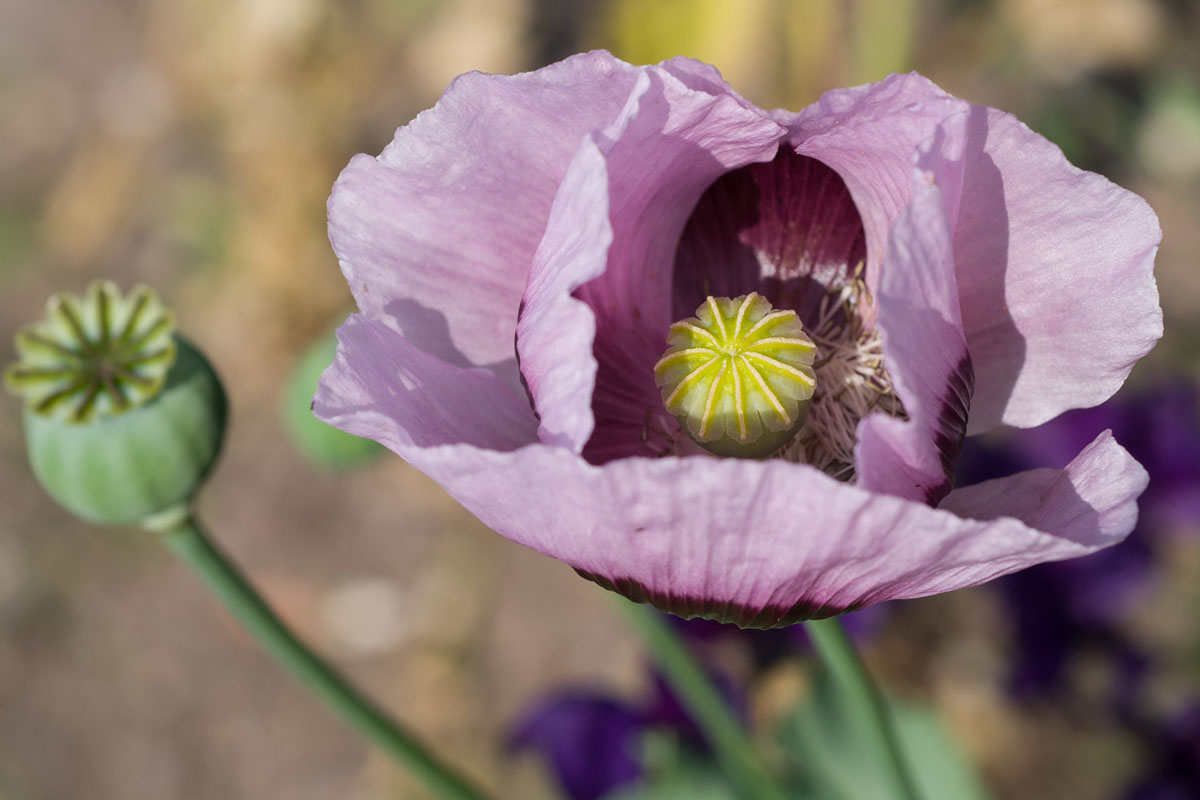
column 664, row 710
column 1061, row 607
column 1174, row 773
column 590, row 741
column 1159, row 426
column 1058, row 612
column 949, row 260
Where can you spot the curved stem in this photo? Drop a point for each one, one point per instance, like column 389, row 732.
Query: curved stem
column 706, row 705
column 188, row 541
column 863, row 700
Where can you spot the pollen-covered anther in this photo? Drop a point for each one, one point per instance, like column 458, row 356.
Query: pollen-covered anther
column 738, row 376
column 852, row 381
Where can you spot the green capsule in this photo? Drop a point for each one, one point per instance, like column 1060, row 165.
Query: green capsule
column 123, row 418
column 738, row 376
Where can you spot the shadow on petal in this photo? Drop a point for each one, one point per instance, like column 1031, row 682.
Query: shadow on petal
column 981, row 261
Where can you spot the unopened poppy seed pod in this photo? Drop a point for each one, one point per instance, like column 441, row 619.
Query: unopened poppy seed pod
column 123, row 418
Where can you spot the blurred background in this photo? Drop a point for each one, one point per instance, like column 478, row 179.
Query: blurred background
column 191, row 144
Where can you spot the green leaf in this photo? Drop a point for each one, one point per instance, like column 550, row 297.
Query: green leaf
column 835, row 762
column 691, row 786
column 675, row 773
column 940, row 767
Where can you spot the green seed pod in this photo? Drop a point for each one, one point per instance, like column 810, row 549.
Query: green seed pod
column 323, row 445
column 738, row 376
column 123, row 418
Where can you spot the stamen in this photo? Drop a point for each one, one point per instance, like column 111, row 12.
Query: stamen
column 852, row 381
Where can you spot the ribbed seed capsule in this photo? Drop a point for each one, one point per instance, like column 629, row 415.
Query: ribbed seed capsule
column 738, row 376
column 123, row 418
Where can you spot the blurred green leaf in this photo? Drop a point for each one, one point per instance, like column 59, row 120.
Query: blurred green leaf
column 881, row 38
column 699, row 784
column 742, row 39
column 836, row 762
column 17, row 239
column 674, row 772
column 323, row 445
column 1095, row 123
column 1168, row 138
column 711, row 30
column 197, row 216
column 941, row 768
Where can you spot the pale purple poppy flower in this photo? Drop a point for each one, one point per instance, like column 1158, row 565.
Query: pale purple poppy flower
column 519, row 251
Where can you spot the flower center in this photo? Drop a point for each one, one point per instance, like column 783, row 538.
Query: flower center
column 789, row 231
column 738, row 375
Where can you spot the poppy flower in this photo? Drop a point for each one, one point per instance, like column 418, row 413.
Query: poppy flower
column 520, row 253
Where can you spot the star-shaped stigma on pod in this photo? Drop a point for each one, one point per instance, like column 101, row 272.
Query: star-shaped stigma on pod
column 738, row 376
column 94, row 356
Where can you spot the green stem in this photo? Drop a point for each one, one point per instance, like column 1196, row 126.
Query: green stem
column 862, row 700
column 188, row 541
column 708, row 708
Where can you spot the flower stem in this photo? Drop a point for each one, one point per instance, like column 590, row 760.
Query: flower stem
column 862, row 700
column 188, row 541
column 706, row 705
